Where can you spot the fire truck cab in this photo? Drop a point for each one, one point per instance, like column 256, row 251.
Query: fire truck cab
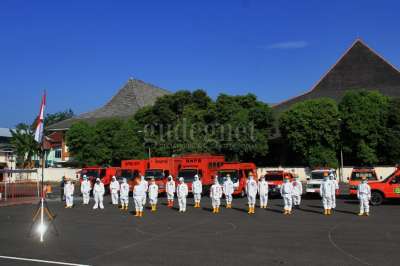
column 275, row 181
column 160, row 168
column 239, row 173
column 203, row 165
column 389, row 188
column 131, row 169
column 316, row 178
column 105, row 174
column 357, row 174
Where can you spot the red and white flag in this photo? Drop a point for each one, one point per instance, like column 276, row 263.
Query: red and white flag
column 39, row 123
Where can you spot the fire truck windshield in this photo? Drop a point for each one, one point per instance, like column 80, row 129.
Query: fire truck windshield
column 358, row 175
column 90, row 173
column 128, row 174
column 188, row 174
column 153, row 173
column 233, row 173
column 273, row 177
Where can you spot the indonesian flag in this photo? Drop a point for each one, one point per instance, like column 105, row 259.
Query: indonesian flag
column 39, row 124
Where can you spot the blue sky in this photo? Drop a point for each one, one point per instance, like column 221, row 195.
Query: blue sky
column 82, row 52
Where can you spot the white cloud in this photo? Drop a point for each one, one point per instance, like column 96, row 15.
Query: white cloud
column 287, row 45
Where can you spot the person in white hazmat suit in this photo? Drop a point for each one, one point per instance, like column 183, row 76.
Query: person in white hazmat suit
column 335, row 186
column 98, row 194
column 124, row 195
column 297, row 192
column 170, row 189
column 139, row 192
column 85, row 190
column 69, row 194
column 364, row 196
column 326, row 190
column 287, row 196
column 197, row 188
column 153, row 194
column 251, row 192
column 146, row 186
column 228, row 190
column 263, row 192
column 182, row 191
column 114, row 189
column 215, row 195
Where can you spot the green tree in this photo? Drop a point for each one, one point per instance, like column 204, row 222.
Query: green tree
column 311, row 130
column 389, row 147
column 81, row 143
column 23, row 141
column 51, row 119
column 364, row 116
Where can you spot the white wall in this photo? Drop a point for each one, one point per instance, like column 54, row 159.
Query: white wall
column 55, row 174
column 305, row 172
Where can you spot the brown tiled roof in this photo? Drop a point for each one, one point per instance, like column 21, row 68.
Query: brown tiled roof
column 359, row 68
column 133, row 96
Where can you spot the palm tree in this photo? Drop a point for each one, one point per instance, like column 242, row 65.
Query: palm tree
column 24, row 144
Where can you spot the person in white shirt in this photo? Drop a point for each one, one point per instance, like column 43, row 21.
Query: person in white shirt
column 228, row 191
column 153, row 194
column 263, row 192
column 181, row 192
column 98, row 194
column 215, row 195
column 364, row 196
column 287, row 195
column 69, row 194
column 114, row 188
column 297, row 192
column 85, row 190
column 197, row 188
column 170, row 189
column 251, row 191
column 139, row 192
column 124, row 194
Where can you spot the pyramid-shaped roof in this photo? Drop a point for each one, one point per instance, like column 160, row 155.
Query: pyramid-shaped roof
column 360, row 68
column 133, row 96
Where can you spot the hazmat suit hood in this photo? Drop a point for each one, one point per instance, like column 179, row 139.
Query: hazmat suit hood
column 181, row 180
column 196, row 178
column 124, row 180
column 169, row 178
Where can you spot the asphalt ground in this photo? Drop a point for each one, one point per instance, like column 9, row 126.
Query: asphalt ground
column 198, row 237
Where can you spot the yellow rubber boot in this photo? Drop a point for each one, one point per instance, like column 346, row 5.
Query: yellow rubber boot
column 249, row 212
column 137, row 214
column 367, row 214
column 360, row 214
column 253, row 210
column 141, row 214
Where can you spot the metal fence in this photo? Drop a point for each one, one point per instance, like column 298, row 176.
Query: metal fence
column 19, row 186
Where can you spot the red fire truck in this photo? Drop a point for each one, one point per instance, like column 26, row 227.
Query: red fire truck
column 356, row 176
column 389, row 188
column 203, row 165
column 105, row 174
column 275, row 181
column 160, row 168
column 131, row 169
column 239, row 173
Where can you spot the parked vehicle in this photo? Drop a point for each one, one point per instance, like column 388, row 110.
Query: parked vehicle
column 239, row 173
column 104, row 173
column 275, row 181
column 204, row 165
column 315, row 180
column 389, row 188
column 131, row 169
column 160, row 168
column 356, row 175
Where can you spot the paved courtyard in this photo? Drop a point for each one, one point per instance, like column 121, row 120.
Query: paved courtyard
column 198, row 237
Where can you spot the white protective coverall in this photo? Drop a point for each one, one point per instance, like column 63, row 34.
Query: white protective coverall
column 287, row 195
column 170, row 188
column 182, row 192
column 326, row 190
column 228, row 191
column 335, row 186
column 124, row 194
column 69, row 194
column 139, row 192
column 364, row 195
column 197, row 188
column 146, row 187
column 263, row 192
column 297, row 192
column 251, row 191
column 114, row 189
column 85, row 190
column 153, row 193
column 215, row 195
column 98, row 193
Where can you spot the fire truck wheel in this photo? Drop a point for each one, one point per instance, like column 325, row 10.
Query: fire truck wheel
column 376, row 198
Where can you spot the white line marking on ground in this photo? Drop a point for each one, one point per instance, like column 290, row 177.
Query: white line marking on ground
column 41, row 261
column 342, row 250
